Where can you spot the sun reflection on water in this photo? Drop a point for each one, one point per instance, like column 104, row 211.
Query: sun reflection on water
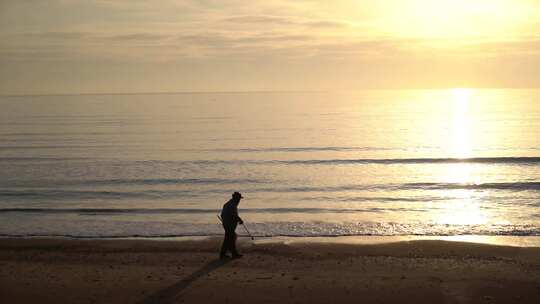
column 465, row 206
column 464, row 210
column 460, row 144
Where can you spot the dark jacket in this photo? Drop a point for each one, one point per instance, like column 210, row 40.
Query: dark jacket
column 229, row 214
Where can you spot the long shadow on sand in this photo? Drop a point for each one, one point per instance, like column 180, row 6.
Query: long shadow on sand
column 167, row 295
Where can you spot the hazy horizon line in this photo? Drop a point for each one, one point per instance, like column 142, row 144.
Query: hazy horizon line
column 262, row 91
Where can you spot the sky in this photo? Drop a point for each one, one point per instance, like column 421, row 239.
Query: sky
column 101, row 46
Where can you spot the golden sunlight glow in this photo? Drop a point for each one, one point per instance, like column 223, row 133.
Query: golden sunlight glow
column 459, row 173
column 455, row 18
column 465, row 208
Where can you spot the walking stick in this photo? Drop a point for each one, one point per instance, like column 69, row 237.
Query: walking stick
column 249, row 233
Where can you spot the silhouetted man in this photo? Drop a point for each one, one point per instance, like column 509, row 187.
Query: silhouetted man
column 230, row 218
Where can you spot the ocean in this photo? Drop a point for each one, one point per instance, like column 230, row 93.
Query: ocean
column 372, row 162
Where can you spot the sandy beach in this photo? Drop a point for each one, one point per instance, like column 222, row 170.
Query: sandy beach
column 142, row 271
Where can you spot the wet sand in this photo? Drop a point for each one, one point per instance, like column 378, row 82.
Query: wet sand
column 142, row 271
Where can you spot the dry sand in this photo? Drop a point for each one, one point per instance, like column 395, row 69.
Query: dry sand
column 135, row 271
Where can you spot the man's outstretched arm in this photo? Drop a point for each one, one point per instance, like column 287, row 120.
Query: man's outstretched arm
column 238, row 218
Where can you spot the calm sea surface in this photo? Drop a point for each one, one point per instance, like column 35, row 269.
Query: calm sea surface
column 426, row 162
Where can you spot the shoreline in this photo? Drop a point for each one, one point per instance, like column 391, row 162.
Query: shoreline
column 498, row 240
column 41, row 270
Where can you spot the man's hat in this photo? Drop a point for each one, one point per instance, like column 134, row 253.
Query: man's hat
column 237, row 195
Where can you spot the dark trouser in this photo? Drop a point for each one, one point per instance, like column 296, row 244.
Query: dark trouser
column 229, row 242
